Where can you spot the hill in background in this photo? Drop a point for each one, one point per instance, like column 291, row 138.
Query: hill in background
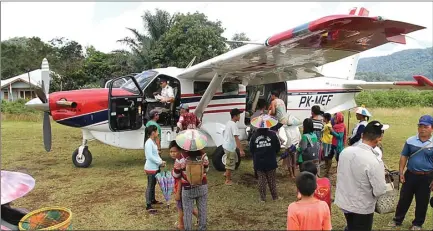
column 402, row 65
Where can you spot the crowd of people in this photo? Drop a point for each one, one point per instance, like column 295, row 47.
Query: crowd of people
column 361, row 172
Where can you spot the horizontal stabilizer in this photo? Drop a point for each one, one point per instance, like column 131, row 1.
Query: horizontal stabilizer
column 420, row 83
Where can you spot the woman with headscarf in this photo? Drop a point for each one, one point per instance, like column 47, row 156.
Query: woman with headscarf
column 338, row 133
column 363, row 115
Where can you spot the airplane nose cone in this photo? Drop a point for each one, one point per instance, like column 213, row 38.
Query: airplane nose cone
column 37, row 104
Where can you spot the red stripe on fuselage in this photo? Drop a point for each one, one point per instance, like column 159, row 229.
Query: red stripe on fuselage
column 220, row 105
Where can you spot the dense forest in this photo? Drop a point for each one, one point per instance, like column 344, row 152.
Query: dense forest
column 167, row 40
column 402, row 65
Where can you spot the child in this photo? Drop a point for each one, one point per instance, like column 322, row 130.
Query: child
column 309, row 145
column 152, row 165
column 323, row 190
column 339, row 136
column 308, row 213
column 327, row 142
column 176, row 154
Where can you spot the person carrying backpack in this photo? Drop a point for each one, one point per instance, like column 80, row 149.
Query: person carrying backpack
column 192, row 169
column 309, row 145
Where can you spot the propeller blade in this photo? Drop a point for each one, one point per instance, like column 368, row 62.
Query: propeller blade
column 41, row 95
column 47, row 131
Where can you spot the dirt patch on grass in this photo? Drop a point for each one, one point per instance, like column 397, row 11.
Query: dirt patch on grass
column 240, row 217
column 248, row 180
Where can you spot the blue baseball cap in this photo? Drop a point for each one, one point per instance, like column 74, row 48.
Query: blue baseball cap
column 426, row 120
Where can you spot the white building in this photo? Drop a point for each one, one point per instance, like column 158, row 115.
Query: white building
column 19, row 87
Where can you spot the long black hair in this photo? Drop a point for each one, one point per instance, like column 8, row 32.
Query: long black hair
column 149, row 130
column 308, row 126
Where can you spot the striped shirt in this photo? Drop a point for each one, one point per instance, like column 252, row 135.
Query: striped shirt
column 179, row 170
column 318, row 127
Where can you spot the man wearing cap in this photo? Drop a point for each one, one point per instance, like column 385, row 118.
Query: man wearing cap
column 165, row 98
column 187, row 120
column 154, row 117
column 230, row 142
column 417, row 153
column 361, row 179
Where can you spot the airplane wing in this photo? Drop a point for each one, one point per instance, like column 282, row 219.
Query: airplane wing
column 296, row 53
column 420, row 83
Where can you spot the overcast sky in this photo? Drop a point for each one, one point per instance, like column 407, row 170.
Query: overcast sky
column 102, row 23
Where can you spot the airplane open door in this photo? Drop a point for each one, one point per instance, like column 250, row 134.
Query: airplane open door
column 125, row 105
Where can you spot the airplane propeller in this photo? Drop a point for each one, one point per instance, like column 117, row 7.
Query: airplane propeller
column 46, row 127
column 43, row 104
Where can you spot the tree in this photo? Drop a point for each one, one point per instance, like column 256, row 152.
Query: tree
column 238, row 37
column 67, row 61
column 155, row 26
column 191, row 35
column 21, row 55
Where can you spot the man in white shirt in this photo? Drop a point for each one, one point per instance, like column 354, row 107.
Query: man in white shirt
column 167, row 93
column 361, row 178
column 230, row 142
column 165, row 98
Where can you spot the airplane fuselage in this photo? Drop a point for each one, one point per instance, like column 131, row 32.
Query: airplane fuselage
column 92, row 112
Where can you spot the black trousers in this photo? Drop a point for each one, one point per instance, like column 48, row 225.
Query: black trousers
column 150, row 190
column 417, row 185
column 359, row 222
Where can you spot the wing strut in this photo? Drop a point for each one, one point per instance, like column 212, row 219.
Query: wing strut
column 208, row 94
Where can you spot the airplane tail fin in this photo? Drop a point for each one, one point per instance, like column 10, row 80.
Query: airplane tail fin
column 344, row 68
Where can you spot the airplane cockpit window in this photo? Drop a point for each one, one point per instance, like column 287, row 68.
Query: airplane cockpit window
column 143, row 79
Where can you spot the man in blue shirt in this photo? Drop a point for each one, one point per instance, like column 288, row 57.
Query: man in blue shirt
column 417, row 153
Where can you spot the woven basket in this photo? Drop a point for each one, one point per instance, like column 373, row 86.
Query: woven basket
column 50, row 218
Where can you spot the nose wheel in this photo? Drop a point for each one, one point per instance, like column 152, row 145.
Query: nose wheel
column 82, row 160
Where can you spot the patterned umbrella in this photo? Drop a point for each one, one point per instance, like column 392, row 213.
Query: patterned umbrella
column 166, row 183
column 15, row 185
column 264, row 121
column 191, row 140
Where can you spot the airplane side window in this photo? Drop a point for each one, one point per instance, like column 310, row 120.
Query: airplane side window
column 200, row 87
column 230, row 88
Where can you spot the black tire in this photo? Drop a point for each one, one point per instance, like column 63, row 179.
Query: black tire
column 86, row 161
column 217, row 159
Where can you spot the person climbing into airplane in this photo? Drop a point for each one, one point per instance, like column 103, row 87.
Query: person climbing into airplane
column 187, row 120
column 165, row 98
column 293, row 135
column 363, row 115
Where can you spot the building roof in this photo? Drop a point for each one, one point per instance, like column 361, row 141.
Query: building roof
column 35, row 79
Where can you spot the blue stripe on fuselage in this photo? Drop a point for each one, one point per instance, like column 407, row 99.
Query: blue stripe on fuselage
column 85, row 120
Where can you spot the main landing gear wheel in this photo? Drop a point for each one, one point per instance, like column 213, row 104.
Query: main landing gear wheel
column 219, row 159
column 84, row 161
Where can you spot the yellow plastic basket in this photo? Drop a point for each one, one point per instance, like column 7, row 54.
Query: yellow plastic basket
column 50, row 218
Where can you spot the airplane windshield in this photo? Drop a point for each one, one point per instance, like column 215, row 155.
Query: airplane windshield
column 143, row 79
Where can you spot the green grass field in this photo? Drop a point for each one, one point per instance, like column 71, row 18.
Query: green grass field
column 110, row 194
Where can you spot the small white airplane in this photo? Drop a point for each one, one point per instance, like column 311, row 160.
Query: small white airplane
column 300, row 63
